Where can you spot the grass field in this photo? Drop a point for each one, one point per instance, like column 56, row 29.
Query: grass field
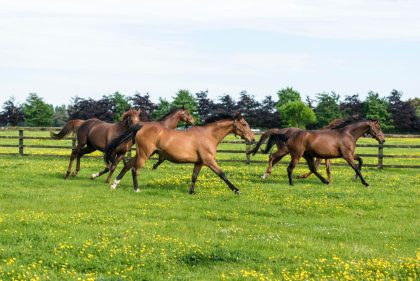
column 52, row 229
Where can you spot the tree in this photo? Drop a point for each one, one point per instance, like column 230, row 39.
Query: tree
column 146, row 106
column 227, row 103
column 296, row 114
column 327, row 108
column 37, row 112
column 403, row 113
column 377, row 108
column 268, row 116
column 12, row 114
column 185, row 99
column 248, row 106
column 205, row 106
column 352, row 106
column 60, row 116
column 102, row 109
column 121, row 104
column 162, row 108
column 287, row 95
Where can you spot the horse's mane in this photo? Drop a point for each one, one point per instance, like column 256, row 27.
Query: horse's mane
column 174, row 109
column 219, row 116
column 339, row 124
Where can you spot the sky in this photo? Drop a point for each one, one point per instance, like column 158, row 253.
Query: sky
column 88, row 48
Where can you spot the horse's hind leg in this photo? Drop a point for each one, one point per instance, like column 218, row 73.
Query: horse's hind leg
column 273, row 160
column 215, row 168
column 138, row 164
column 127, row 166
column 350, row 161
column 328, row 169
column 312, row 168
column 304, row 176
column 160, row 161
column 83, row 151
column 72, row 157
column 359, row 166
column 114, row 166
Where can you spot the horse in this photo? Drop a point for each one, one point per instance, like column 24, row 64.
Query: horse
column 196, row 145
column 326, row 144
column 275, row 157
column 94, row 134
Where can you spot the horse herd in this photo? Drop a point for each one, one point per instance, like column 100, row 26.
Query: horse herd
column 198, row 144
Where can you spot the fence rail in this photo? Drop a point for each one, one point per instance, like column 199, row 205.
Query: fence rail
column 380, row 155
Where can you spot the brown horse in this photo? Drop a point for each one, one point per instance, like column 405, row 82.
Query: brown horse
column 94, row 134
column 196, row 145
column 275, row 157
column 170, row 120
column 326, row 144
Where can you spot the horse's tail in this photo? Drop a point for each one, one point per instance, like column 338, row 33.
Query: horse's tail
column 275, row 138
column 70, row 127
column 262, row 140
column 112, row 146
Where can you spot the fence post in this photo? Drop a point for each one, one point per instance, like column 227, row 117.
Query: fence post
column 21, row 142
column 248, row 157
column 380, row 156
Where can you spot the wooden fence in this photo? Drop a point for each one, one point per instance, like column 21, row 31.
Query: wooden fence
column 20, row 145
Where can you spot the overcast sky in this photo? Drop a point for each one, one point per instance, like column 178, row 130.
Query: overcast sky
column 60, row 49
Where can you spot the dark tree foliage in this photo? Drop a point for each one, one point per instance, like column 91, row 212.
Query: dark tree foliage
column 12, row 113
column 60, row 116
column 248, row 107
column 103, row 109
column 268, row 116
column 144, row 103
column 327, row 108
column 403, row 113
column 352, row 106
column 205, row 106
column 227, row 103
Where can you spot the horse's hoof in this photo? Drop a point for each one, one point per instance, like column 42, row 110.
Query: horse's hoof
column 114, row 185
column 137, row 190
column 265, row 175
column 192, row 192
column 237, row 192
column 94, row 176
column 366, row 185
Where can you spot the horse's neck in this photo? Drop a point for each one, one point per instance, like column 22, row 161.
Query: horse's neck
column 358, row 130
column 123, row 125
column 221, row 129
column 171, row 122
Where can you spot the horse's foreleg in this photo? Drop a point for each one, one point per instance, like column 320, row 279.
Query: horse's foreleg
column 127, row 166
column 312, row 168
column 215, row 168
column 350, row 161
column 293, row 162
column 359, row 166
column 196, row 171
column 114, row 166
column 83, row 151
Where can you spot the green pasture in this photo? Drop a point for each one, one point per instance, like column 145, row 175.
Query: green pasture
column 77, row 229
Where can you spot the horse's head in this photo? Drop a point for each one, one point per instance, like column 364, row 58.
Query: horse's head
column 132, row 117
column 186, row 116
column 375, row 131
column 242, row 128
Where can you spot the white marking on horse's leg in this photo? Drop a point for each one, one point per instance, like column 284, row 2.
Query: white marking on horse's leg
column 137, row 190
column 266, row 175
column 114, row 184
column 94, row 176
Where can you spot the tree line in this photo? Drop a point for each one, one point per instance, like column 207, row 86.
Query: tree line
column 289, row 110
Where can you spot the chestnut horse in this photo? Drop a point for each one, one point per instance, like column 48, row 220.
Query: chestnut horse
column 196, row 145
column 94, row 134
column 169, row 120
column 276, row 156
column 326, row 144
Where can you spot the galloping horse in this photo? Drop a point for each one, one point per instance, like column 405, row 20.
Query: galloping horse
column 276, row 156
column 196, row 145
column 94, row 134
column 169, row 120
column 326, row 144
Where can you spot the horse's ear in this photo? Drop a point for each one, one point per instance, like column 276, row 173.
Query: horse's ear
column 183, row 107
column 238, row 115
column 125, row 115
